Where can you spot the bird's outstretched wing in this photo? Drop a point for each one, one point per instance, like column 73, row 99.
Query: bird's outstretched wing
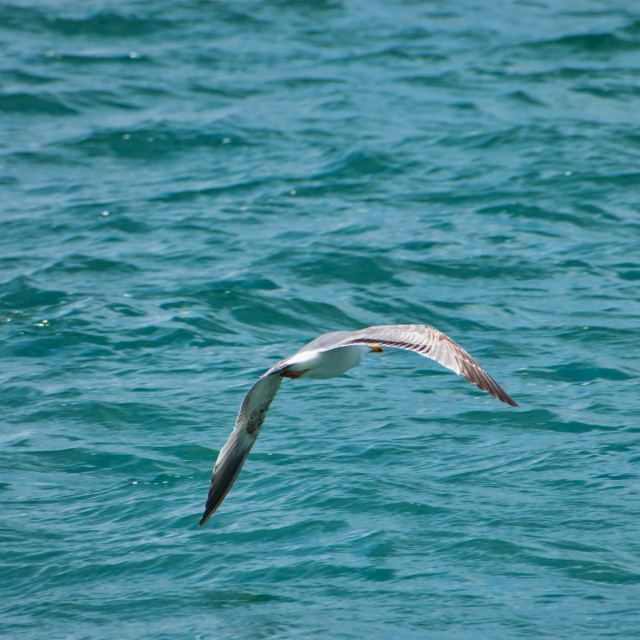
column 429, row 342
column 232, row 456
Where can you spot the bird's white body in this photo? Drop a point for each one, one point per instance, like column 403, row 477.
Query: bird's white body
column 328, row 364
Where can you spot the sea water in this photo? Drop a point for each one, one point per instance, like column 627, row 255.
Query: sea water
column 190, row 191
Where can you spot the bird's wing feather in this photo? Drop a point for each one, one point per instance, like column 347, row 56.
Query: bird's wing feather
column 232, row 456
column 429, row 342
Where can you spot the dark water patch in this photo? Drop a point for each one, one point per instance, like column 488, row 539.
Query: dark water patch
column 420, row 246
column 594, row 211
column 22, row 18
column 32, row 104
column 113, row 218
column 40, row 157
column 157, row 337
column 21, row 293
column 589, row 570
column 187, row 451
column 484, row 548
column 359, row 231
column 359, row 164
column 221, row 598
column 205, row 326
column 633, row 28
column 397, row 53
column 581, row 372
column 442, row 79
column 486, row 267
column 213, row 295
column 83, row 460
column 92, row 99
column 101, row 23
column 525, row 98
column 164, row 138
column 108, row 24
column 110, row 414
column 79, row 263
column 237, row 188
column 18, row 395
column 306, row 82
column 614, row 92
column 251, row 282
column 628, row 271
column 128, row 310
column 361, row 269
column 597, row 43
column 23, row 77
column 31, row 344
column 224, row 91
column 319, row 313
column 620, row 179
column 300, row 530
column 540, row 214
column 256, row 315
column 549, row 421
column 574, row 545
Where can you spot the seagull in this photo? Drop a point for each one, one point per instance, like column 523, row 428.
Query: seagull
column 329, row 356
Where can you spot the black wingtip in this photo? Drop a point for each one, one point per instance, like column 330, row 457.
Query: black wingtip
column 221, row 482
column 487, row 383
column 208, row 512
column 212, row 504
column 503, row 396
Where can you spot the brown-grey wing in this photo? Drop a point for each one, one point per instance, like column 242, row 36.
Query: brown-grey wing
column 429, row 342
column 232, row 456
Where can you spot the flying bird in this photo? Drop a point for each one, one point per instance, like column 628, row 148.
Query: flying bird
column 329, row 356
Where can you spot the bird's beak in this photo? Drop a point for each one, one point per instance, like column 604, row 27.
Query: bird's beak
column 377, row 349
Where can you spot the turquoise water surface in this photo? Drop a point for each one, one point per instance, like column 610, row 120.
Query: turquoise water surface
column 190, row 191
